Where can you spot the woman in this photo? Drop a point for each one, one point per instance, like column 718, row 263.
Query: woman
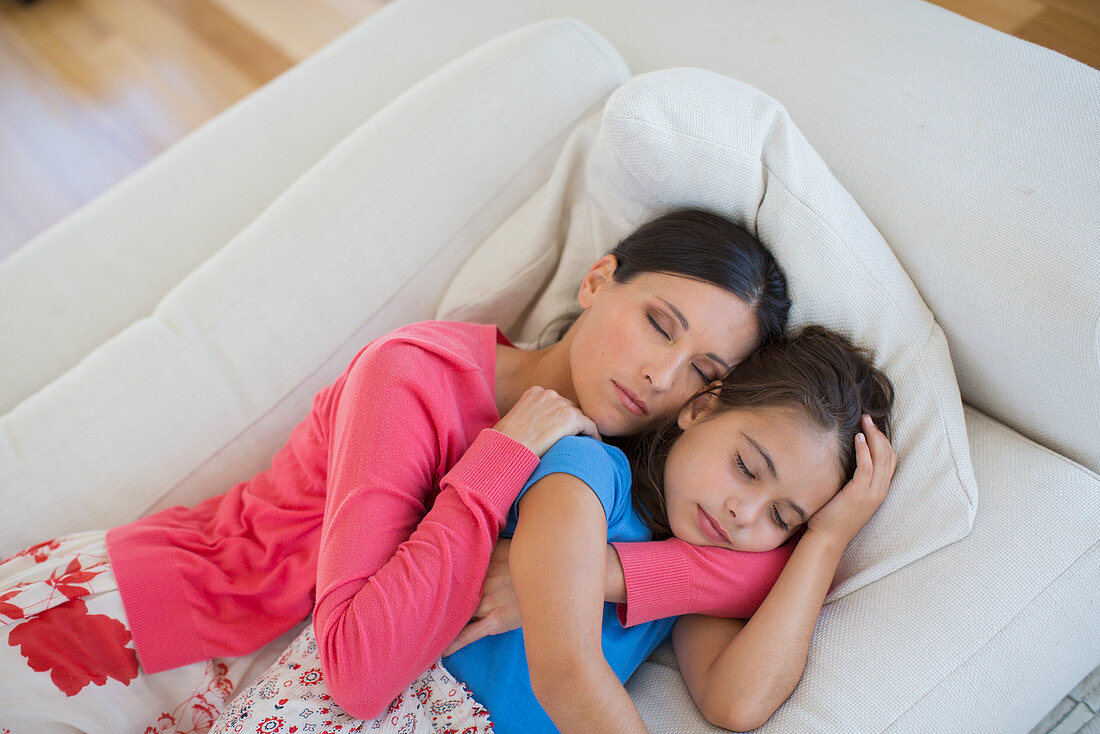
column 368, row 507
column 744, row 466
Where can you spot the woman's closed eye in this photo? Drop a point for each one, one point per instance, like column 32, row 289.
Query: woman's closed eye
column 668, row 337
column 655, row 325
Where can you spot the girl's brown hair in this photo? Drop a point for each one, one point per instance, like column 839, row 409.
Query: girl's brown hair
column 823, row 373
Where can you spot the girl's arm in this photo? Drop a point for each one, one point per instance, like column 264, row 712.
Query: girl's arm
column 649, row 580
column 739, row 673
column 558, row 564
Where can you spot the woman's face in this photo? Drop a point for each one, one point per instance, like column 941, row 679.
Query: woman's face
column 748, row 479
column 642, row 348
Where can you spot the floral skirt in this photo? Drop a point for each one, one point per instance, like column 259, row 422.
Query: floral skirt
column 68, row 664
column 291, row 697
column 67, row 661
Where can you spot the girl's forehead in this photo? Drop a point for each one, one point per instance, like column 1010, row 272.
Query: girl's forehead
column 792, row 452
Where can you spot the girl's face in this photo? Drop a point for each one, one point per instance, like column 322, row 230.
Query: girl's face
column 747, row 479
column 642, row 348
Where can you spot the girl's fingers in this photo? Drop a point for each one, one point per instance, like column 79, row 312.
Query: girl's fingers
column 882, row 451
column 864, row 464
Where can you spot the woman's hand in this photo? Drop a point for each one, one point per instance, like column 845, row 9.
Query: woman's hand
column 843, row 516
column 540, row 417
column 498, row 610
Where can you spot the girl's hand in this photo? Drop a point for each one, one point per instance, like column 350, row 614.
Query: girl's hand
column 498, row 610
column 843, row 516
column 541, row 417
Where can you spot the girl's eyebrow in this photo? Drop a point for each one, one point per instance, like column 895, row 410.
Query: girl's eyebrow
column 799, row 510
column 684, row 323
column 768, row 459
column 771, row 468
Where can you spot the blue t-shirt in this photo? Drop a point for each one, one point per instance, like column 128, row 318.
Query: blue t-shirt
column 495, row 668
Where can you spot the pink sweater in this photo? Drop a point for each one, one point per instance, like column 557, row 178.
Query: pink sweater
column 386, row 502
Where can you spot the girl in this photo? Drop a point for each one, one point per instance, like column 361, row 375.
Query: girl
column 381, row 512
column 744, row 466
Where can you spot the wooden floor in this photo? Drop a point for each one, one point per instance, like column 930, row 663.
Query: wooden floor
column 92, row 89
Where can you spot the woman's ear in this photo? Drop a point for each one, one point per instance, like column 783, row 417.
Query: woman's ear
column 597, row 276
column 699, row 408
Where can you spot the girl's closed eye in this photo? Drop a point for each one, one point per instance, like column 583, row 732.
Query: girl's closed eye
column 744, row 469
column 779, row 519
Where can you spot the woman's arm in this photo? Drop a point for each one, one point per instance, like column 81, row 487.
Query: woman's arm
column 558, row 564
column 395, row 580
column 739, row 673
column 649, row 580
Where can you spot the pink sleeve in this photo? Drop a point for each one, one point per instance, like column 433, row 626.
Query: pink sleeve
column 665, row 578
column 396, row 583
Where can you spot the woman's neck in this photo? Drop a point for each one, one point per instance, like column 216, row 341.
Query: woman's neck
column 518, row 369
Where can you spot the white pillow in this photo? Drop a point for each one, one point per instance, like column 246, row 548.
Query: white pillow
column 688, row 137
column 199, row 395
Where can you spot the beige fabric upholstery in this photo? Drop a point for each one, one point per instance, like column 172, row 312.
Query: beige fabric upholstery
column 688, row 137
column 197, row 396
column 924, row 648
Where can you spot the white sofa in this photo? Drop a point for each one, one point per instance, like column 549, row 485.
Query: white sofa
column 972, row 152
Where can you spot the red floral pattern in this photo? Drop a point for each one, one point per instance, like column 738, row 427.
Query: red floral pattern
column 61, row 613
column 11, row 611
column 39, row 551
column 198, row 713
column 434, row 702
column 76, row 647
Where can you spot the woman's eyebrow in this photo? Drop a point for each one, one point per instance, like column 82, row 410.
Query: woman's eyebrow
column 684, row 323
column 676, row 313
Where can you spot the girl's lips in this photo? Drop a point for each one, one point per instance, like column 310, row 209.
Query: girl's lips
column 711, row 528
column 630, row 400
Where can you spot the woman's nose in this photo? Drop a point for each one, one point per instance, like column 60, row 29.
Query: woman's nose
column 661, row 376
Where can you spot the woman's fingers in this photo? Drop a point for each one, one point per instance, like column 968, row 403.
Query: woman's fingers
column 588, row 427
column 540, row 417
column 474, row 631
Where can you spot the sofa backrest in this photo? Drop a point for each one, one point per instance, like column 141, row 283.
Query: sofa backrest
column 184, row 403
column 974, row 154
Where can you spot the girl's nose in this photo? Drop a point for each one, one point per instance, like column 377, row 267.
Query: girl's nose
column 742, row 512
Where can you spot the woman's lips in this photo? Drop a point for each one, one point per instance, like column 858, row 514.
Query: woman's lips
column 711, row 528
column 630, row 400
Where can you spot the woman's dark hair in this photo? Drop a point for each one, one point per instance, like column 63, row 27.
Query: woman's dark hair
column 823, row 373
column 705, row 246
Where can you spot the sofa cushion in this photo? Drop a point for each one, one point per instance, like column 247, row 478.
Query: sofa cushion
column 688, row 137
column 200, row 394
column 937, row 645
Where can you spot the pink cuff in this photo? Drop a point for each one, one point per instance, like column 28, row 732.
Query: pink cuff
column 147, row 573
column 495, row 467
column 658, row 582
